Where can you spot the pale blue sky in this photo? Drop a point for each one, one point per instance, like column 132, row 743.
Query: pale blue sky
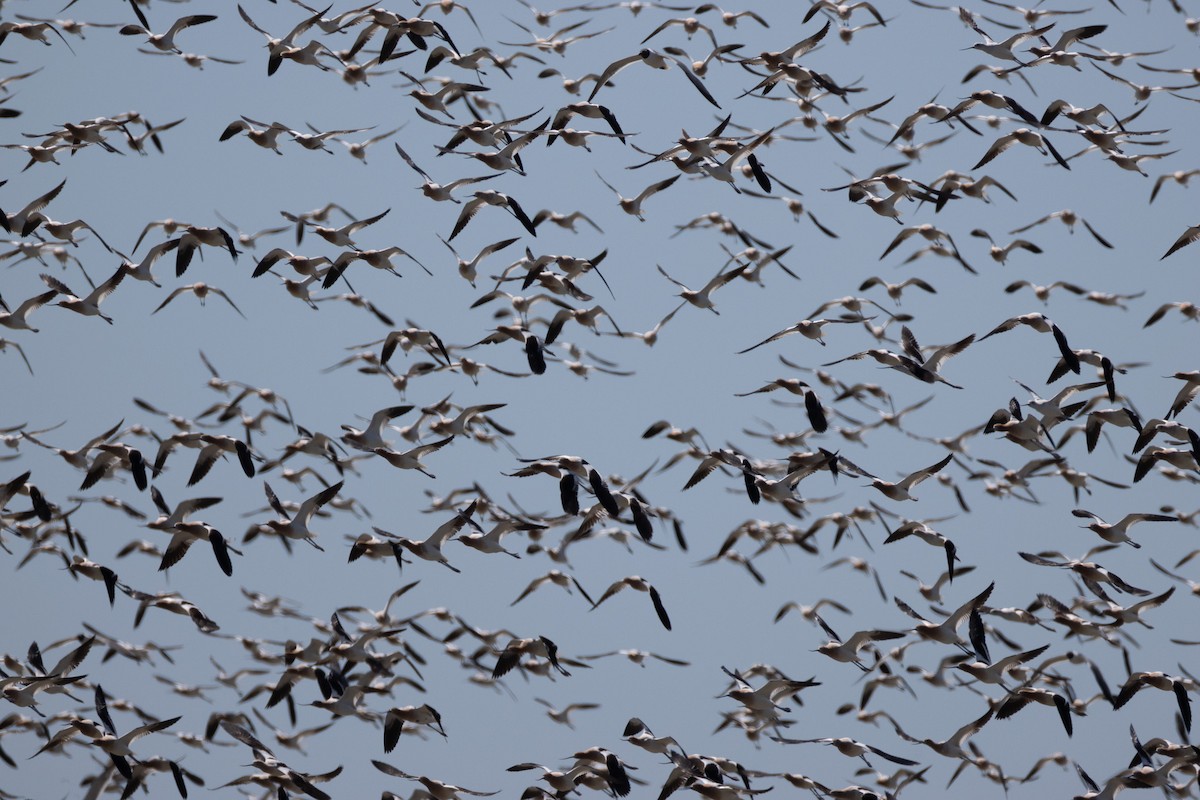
column 87, row 374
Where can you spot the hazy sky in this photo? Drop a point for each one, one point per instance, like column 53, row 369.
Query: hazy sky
column 86, row 375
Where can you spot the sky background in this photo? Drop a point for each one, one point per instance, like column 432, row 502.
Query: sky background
column 87, row 374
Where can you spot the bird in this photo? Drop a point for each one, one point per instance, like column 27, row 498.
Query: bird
column 183, row 534
column 946, row 632
column 436, row 191
column 563, row 716
column 18, row 320
column 411, row 459
column 1004, row 50
column 26, row 221
column 265, row 136
column 88, row 306
column 633, row 206
column 810, row 329
column 430, row 548
column 642, row 585
column 557, row 578
column 1180, row 177
column 516, row 649
column 952, row 747
column 191, row 240
column 700, row 298
column 1163, row 682
column 895, row 290
column 583, row 109
column 901, row 490
column 847, row 650
column 995, row 672
column 850, row 748
column 1023, row 136
column 339, row 237
column 117, row 747
column 166, row 41
column 1042, row 324
column 1027, row 694
column 435, row 788
column 296, row 526
column 651, row 58
column 1187, row 237
column 491, row 198
column 201, row 291
column 926, row 368
column 371, row 437
column 1118, row 532
column 489, row 542
column 763, row 700
column 394, row 720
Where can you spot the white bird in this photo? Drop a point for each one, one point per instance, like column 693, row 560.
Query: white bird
column 411, row 459
column 724, row 170
column 900, row 490
column 430, row 548
column 1004, row 50
column 393, row 723
column 265, row 136
column 994, row 673
column 339, row 237
column 436, row 191
column 201, row 291
column 25, row 221
column 952, row 747
column 469, row 270
column 642, row 585
column 946, row 632
column 166, row 41
column 850, row 748
column 762, row 702
column 489, row 542
column 541, row 647
column 185, row 533
column 297, row 526
column 656, row 60
column 19, row 320
column 491, row 198
column 191, row 240
column 700, row 298
column 633, row 206
column 1000, row 254
column 1180, row 177
column 556, row 577
column 563, row 715
column 1021, row 136
column 87, row 306
column 847, row 651
column 1068, row 218
column 359, row 149
column 142, row 270
column 1187, row 237
column 1118, row 532
column 1042, row 324
column 372, row 436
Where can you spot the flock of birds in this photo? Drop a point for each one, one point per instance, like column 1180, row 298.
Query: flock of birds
column 287, row 647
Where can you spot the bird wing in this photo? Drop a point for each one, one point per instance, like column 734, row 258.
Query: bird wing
column 912, row 480
column 310, row 506
column 654, row 188
column 998, row 147
column 1189, row 236
column 611, row 70
column 105, row 289
column 659, row 608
